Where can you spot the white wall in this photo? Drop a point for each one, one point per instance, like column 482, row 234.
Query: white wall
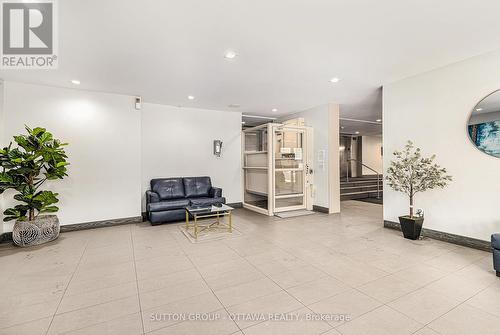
column 372, row 154
column 103, row 132
column 323, row 119
column 178, row 142
column 432, row 109
column 115, row 150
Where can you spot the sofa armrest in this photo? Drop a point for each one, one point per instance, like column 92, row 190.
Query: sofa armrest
column 216, row 192
column 495, row 241
column 151, row 197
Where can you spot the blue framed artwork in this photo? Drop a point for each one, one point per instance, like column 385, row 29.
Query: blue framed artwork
column 486, row 137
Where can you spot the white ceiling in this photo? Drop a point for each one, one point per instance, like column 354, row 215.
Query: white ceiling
column 287, row 49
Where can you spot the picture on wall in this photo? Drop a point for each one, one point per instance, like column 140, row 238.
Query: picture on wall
column 486, row 136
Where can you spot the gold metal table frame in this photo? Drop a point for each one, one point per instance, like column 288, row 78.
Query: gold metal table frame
column 204, row 215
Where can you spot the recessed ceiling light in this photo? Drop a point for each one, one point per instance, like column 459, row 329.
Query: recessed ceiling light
column 243, row 122
column 75, row 82
column 230, row 54
column 378, row 120
column 334, row 80
column 479, row 109
column 356, row 132
column 274, row 110
column 190, row 97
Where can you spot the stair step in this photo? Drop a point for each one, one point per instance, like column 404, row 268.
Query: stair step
column 361, row 181
column 361, row 192
column 344, row 190
column 364, row 184
column 360, row 195
column 351, row 187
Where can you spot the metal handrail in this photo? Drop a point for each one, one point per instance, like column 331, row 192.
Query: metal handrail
column 369, row 168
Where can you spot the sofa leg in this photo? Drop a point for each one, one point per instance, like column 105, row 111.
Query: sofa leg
column 498, row 273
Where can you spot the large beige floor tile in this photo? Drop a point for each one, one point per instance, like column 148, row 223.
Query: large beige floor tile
column 352, row 272
column 426, row 331
column 466, row 320
column 487, row 300
column 161, row 266
column 458, row 287
column 215, row 258
column 119, row 277
column 221, row 325
column 171, row 279
column 455, row 260
column 345, row 307
column 424, row 305
column 232, row 278
column 238, row 294
column 78, row 301
column 37, row 327
column 173, row 293
column 18, row 315
column 276, row 266
column 388, row 288
column 93, row 315
column 95, row 273
column 280, row 302
column 177, row 311
column 317, row 290
column 129, row 324
column 382, row 321
column 298, row 323
column 421, row 274
column 297, row 276
column 211, row 270
column 7, row 302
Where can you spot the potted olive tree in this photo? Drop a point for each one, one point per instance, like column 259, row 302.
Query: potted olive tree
column 410, row 173
column 36, row 158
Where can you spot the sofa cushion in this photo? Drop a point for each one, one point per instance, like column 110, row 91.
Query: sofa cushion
column 495, row 241
column 168, row 205
column 207, row 201
column 197, row 187
column 168, row 188
column 167, row 216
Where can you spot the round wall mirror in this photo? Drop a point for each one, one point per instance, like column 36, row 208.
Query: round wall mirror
column 484, row 125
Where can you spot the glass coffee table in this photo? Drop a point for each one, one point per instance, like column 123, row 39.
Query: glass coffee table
column 215, row 211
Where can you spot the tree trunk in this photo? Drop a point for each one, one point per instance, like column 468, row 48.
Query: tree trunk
column 31, row 211
column 411, row 206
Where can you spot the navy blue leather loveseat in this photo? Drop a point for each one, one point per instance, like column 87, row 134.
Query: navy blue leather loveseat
column 495, row 245
column 168, row 197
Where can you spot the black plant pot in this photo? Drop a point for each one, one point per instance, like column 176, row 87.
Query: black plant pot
column 411, row 227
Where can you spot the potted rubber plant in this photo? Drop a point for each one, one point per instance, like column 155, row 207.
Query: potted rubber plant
column 411, row 173
column 35, row 158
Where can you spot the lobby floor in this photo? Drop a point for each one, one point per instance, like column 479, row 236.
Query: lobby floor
column 316, row 274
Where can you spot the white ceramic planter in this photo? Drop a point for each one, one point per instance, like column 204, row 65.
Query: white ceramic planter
column 43, row 229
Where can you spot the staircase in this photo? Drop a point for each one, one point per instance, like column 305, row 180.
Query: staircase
column 360, row 187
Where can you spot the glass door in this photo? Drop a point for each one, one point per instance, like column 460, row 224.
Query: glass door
column 256, row 169
column 289, row 169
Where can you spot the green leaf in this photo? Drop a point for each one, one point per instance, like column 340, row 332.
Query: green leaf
column 49, row 209
column 26, row 164
column 38, row 130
